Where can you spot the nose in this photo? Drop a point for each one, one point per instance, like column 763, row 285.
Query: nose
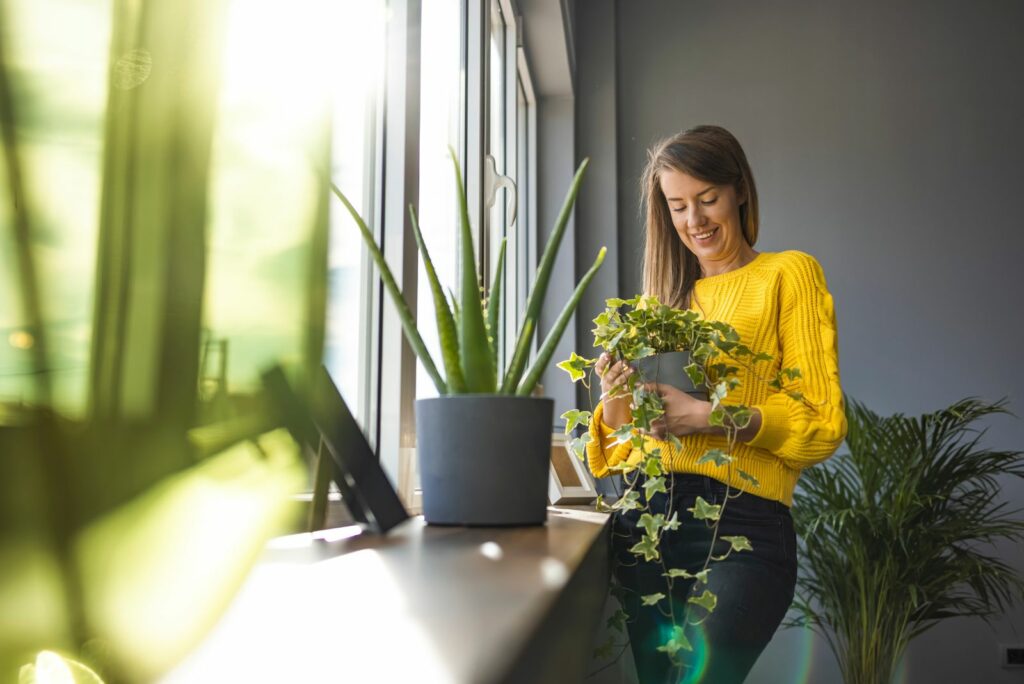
column 696, row 218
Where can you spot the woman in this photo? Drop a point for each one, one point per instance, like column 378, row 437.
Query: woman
column 702, row 224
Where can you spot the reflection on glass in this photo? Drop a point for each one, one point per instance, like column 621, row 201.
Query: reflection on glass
column 440, row 119
column 59, row 83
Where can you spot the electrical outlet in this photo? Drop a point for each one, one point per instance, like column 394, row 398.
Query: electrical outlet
column 1011, row 655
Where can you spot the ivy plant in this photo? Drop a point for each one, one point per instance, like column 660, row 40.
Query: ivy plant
column 633, row 329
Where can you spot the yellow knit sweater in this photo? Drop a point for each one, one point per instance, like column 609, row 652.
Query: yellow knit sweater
column 779, row 304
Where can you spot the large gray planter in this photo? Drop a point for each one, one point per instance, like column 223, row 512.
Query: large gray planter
column 484, row 459
column 667, row 369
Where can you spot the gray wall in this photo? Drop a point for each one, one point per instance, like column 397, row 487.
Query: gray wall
column 885, row 140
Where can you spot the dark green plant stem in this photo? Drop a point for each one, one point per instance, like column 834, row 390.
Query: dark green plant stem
column 447, row 333
column 404, row 314
column 478, row 367
column 540, row 287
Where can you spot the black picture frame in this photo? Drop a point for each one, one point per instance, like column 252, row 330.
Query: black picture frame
column 364, row 486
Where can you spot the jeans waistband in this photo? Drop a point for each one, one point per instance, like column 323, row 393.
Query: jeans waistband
column 713, row 490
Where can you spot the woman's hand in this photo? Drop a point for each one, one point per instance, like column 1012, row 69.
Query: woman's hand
column 684, row 415
column 615, row 389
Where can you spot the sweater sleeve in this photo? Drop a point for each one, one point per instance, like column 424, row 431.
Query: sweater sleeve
column 802, row 433
column 600, row 453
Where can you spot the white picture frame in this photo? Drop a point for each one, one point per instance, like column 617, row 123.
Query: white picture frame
column 569, row 479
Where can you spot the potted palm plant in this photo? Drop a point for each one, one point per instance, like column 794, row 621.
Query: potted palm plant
column 893, row 534
column 484, row 443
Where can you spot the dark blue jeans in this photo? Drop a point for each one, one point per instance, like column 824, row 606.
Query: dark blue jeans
column 754, row 588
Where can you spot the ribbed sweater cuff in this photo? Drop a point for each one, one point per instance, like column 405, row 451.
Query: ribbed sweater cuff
column 774, row 428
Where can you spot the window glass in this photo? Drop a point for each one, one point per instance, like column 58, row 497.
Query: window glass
column 440, row 126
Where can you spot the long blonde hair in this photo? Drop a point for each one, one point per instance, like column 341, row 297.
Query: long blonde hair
column 708, row 153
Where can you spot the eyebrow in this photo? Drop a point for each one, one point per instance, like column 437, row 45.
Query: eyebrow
column 680, row 199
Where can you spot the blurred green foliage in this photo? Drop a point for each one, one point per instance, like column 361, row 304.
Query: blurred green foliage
column 156, row 253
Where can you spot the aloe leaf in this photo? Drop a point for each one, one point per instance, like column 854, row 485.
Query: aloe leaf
column 404, row 314
column 540, row 287
column 551, row 341
column 455, row 311
column 446, row 331
column 477, row 364
column 494, row 302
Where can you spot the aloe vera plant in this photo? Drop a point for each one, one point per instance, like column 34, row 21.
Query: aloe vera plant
column 468, row 328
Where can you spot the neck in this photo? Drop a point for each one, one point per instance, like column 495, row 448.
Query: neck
column 741, row 257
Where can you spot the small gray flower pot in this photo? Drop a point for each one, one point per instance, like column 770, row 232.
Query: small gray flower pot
column 667, row 369
column 484, row 459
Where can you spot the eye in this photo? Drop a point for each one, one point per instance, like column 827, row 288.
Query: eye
column 710, row 201
column 678, row 209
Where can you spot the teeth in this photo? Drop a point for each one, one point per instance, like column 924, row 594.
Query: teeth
column 701, row 236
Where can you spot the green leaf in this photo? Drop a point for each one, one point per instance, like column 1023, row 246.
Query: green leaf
column 579, row 445
column 404, row 313
column 648, row 548
column 748, row 477
column 652, row 467
column 494, row 302
column 674, row 441
column 629, row 501
column 678, row 572
column 654, row 486
column 791, row 373
column 614, row 302
column 446, row 331
column 551, row 341
column 576, row 366
column 702, row 576
column 707, row 600
column 652, row 599
column 574, row 417
column 622, row 434
column 798, row 396
column 539, row 291
column 673, row 522
column 478, row 368
column 617, row 621
column 696, row 374
column 719, row 457
column 651, row 523
column 676, row 642
column 738, row 542
column 702, row 510
column 761, row 356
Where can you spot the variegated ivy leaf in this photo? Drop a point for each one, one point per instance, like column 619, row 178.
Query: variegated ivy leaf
column 651, row 523
column 614, row 302
column 748, row 477
column 576, row 366
column 678, row 572
column 673, row 522
column 654, row 486
column 622, row 467
column 601, row 506
column 718, row 392
column 696, row 374
column 791, row 373
column 628, row 501
column 643, row 353
column 795, row 395
column 707, row 600
column 637, row 441
column 719, row 457
column 579, row 445
column 761, row 356
column 677, row 642
column 574, row 417
column 717, row 416
column 702, row 510
column 775, row 384
column 623, row 434
column 648, row 548
column 652, row 467
column 732, row 383
column 738, row 542
column 739, row 415
column 702, row 576
column 652, row 599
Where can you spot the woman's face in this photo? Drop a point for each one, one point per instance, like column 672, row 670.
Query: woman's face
column 706, row 216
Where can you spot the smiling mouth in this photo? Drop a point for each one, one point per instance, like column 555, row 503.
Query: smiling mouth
column 706, row 236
